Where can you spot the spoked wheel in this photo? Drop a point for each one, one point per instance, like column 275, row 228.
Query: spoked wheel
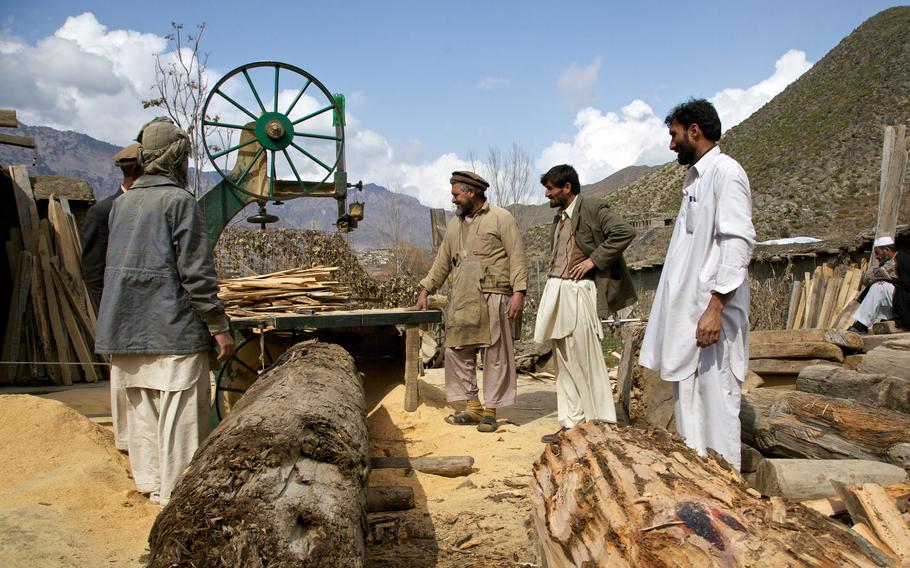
column 254, row 356
column 269, row 125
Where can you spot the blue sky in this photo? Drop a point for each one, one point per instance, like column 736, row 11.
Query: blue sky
column 429, row 83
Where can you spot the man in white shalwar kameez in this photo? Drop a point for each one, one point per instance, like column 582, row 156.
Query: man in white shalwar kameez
column 698, row 333
column 587, row 278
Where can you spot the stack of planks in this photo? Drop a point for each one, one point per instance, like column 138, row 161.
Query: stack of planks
column 289, row 292
column 825, row 298
column 50, row 329
column 778, row 356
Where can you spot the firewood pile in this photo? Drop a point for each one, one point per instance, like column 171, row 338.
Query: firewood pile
column 779, row 356
column 825, row 298
column 294, row 291
column 250, row 252
column 50, row 329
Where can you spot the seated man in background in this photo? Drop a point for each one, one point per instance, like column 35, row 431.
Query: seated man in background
column 877, row 298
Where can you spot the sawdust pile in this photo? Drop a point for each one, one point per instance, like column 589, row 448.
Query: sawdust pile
column 248, row 252
column 65, row 491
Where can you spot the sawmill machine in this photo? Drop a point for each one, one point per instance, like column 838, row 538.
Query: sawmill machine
column 273, row 133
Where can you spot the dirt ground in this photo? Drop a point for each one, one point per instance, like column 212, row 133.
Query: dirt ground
column 67, row 499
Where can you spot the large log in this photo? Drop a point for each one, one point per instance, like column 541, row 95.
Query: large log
column 797, row 350
column 872, row 389
column 891, row 358
column 804, row 425
column 847, row 340
column 811, row 479
column 618, row 496
column 790, row 367
column 281, row 482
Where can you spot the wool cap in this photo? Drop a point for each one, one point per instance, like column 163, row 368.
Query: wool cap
column 883, row 242
column 127, row 156
column 470, row 179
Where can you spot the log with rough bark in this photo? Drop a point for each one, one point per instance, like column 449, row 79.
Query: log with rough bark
column 847, row 340
column 390, row 498
column 797, row 350
column 615, row 496
column 446, row 466
column 873, row 389
column 804, row 425
column 281, row 482
column 891, row 358
column 811, row 479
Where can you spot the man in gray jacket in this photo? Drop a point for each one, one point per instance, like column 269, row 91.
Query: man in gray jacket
column 159, row 312
column 587, row 279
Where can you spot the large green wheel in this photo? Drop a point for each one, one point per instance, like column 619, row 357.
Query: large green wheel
column 269, row 122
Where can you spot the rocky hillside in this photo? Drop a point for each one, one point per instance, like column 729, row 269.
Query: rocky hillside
column 813, row 153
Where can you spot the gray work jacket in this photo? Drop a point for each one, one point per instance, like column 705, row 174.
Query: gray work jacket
column 160, row 292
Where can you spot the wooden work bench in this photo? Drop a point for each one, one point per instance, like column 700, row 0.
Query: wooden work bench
column 411, row 320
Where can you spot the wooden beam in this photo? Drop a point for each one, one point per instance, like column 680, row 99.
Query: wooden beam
column 446, row 466
column 8, row 118
column 12, row 341
column 13, row 140
column 894, row 166
column 831, row 506
column 871, row 506
column 797, row 350
column 62, row 342
column 411, row 367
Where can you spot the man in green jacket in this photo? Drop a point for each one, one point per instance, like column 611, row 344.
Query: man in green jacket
column 587, row 280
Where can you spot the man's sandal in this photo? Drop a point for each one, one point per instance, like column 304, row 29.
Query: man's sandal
column 463, row 418
column 487, row 424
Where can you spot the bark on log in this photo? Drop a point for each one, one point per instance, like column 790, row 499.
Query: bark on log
column 804, row 425
column 390, row 498
column 847, row 340
column 811, row 479
column 446, row 466
column 617, row 496
column 873, row 389
column 892, row 359
column 281, row 482
column 798, row 350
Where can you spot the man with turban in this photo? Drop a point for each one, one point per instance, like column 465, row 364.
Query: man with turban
column 160, row 312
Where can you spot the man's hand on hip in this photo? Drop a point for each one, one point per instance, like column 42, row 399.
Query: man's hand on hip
column 578, row 271
column 516, row 304
column 225, row 343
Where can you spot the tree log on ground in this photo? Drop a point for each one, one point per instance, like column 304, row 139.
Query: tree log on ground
column 804, row 425
column 847, row 340
column 798, row 350
column 281, row 482
column 873, row 389
column 892, row 359
column 616, row 496
column 800, row 480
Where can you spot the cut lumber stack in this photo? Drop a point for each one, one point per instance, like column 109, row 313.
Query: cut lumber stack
column 825, row 298
column 50, row 330
column 294, row 291
column 779, row 356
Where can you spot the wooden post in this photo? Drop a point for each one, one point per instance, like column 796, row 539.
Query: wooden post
column 894, row 166
column 411, row 358
column 632, row 337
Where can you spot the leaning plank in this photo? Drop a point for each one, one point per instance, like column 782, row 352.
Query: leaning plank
column 282, row 481
column 42, row 322
column 830, row 506
column 876, row 389
column 796, row 424
column 797, row 350
column 796, row 293
column 12, row 340
column 870, row 505
column 846, row 340
column 809, row 479
column 617, row 496
column 446, row 466
column 62, row 343
column 26, row 208
column 84, row 351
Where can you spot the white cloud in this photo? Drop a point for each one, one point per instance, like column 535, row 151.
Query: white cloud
column 735, row 105
column 607, row 142
column 578, row 85
column 490, row 83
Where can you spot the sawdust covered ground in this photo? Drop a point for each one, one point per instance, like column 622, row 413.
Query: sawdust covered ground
column 66, row 498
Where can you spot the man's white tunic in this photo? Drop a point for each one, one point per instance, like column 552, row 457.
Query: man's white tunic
column 709, row 252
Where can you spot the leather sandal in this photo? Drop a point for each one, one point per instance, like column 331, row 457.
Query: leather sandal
column 487, row 424
column 551, row 438
column 463, row 418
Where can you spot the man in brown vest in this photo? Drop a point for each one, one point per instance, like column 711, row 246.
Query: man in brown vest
column 587, row 280
column 483, row 252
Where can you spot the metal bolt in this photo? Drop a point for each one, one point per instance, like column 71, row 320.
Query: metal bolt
column 274, row 129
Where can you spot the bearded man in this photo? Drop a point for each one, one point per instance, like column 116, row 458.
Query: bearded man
column 160, row 312
column 483, row 252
